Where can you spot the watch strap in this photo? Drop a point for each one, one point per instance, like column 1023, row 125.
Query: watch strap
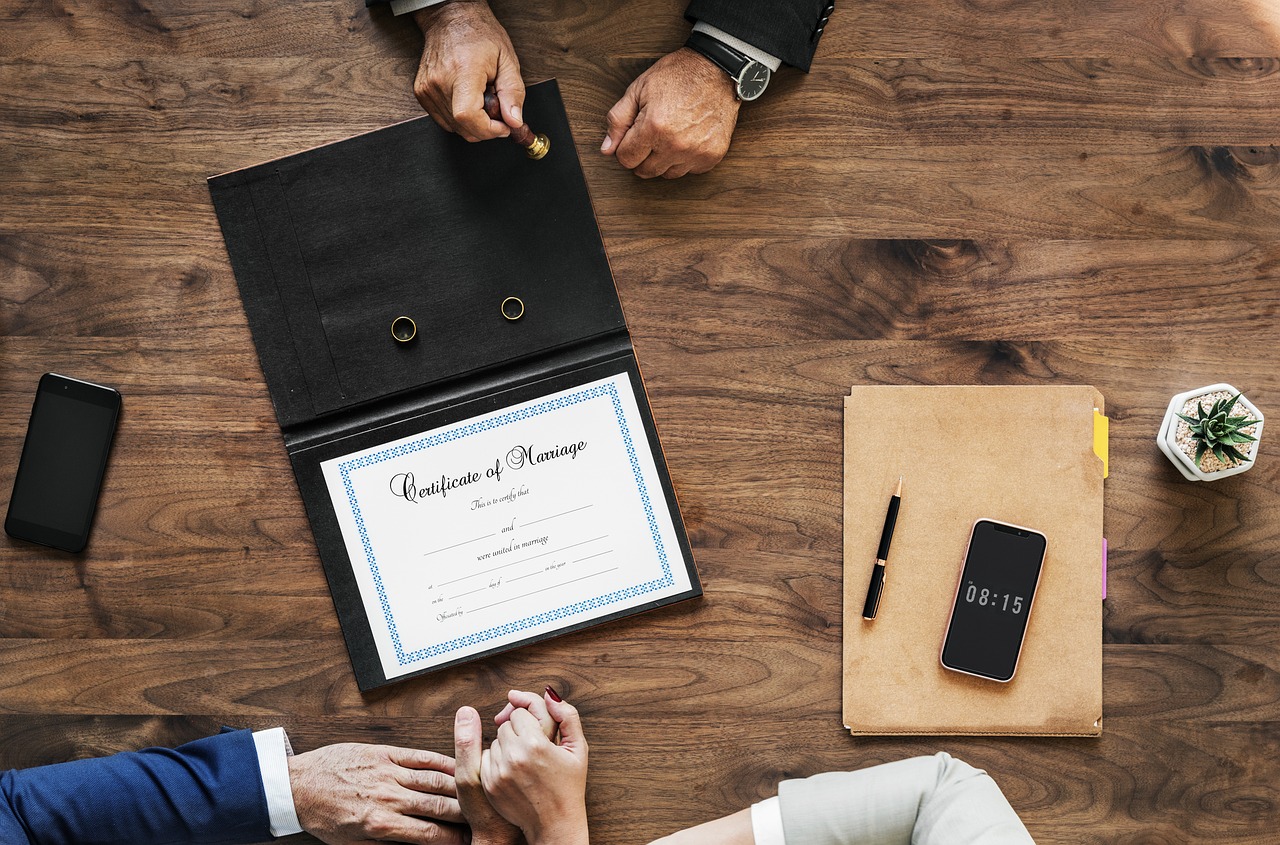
column 725, row 57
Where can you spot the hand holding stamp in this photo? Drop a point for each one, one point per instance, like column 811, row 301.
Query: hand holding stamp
column 536, row 145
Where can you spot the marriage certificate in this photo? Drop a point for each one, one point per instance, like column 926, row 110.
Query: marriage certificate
column 511, row 526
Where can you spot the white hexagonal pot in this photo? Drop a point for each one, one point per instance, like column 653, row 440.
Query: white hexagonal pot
column 1168, row 443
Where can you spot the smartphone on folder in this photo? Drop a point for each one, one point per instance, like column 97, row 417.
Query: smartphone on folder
column 64, row 457
column 993, row 600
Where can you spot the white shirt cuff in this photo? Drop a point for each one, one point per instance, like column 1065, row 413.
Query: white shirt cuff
column 771, row 62
column 766, row 822
column 404, row 7
column 273, row 761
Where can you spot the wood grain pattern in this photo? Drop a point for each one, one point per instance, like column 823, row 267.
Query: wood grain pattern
column 953, row 191
column 988, row 193
column 1202, row 100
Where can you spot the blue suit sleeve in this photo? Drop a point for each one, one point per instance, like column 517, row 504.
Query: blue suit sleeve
column 208, row 791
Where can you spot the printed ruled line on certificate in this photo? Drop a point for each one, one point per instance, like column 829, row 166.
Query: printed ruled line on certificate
column 554, row 515
column 463, row 543
column 467, row 593
column 544, row 589
column 525, row 560
column 543, row 571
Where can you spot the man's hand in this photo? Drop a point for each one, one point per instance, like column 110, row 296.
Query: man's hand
column 676, row 118
column 353, row 793
column 464, row 48
column 487, row 827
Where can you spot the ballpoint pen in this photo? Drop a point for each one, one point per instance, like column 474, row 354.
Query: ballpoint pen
column 876, row 587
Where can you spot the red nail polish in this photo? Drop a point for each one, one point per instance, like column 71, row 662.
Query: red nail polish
column 555, row 696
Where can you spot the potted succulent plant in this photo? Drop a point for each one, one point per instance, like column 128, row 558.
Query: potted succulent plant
column 1210, row 433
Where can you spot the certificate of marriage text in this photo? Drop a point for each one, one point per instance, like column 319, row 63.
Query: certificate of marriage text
column 505, row 527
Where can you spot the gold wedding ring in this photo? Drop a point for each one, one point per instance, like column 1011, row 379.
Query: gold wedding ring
column 403, row 329
column 509, row 306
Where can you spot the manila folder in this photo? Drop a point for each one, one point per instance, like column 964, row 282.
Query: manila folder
column 1022, row 455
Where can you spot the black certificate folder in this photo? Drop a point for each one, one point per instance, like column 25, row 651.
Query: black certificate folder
column 456, row 387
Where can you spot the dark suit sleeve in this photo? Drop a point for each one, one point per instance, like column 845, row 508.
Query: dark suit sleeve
column 788, row 29
column 207, row 791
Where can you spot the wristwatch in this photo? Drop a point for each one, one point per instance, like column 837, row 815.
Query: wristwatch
column 750, row 77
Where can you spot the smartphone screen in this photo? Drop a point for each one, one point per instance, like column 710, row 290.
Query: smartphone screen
column 993, row 602
column 63, row 459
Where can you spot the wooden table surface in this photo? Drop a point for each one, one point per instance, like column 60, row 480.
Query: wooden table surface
column 987, row 193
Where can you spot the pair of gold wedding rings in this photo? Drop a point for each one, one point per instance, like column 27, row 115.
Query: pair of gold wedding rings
column 404, row 329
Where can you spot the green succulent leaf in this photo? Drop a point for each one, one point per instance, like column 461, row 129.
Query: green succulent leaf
column 1234, row 454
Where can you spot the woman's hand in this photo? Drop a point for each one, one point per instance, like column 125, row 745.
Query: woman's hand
column 487, row 826
column 729, row 830
column 537, row 706
column 534, row 783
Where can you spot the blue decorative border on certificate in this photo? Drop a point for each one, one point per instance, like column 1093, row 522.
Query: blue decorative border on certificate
column 596, row 391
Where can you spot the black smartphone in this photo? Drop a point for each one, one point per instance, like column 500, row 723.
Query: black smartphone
column 63, row 460
column 993, row 600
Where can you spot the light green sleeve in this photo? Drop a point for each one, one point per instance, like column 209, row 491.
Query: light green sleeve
column 934, row 800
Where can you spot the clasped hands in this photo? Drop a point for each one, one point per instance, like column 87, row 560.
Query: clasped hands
column 528, row 787
column 676, row 118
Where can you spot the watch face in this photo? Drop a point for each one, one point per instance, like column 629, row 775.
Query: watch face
column 753, row 80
